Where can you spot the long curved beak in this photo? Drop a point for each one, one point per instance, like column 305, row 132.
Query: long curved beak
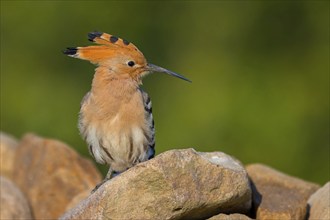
column 154, row 68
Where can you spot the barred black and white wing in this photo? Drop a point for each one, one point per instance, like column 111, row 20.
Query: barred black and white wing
column 151, row 124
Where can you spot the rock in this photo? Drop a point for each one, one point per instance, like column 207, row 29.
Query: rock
column 277, row 195
column 78, row 198
column 8, row 145
column 177, row 184
column 319, row 203
column 13, row 204
column 52, row 174
column 235, row 216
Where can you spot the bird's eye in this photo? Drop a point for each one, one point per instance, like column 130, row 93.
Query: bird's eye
column 131, row 63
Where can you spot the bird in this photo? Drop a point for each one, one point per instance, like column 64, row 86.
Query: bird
column 115, row 117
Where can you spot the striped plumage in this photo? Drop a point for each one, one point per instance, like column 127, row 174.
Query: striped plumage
column 116, row 115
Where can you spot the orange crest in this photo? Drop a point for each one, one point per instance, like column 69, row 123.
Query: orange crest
column 117, row 56
column 111, row 51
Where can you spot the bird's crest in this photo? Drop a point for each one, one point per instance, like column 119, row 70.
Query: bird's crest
column 110, row 46
column 110, row 40
column 118, row 56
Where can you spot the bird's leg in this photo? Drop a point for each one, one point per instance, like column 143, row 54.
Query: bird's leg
column 107, row 177
column 109, row 174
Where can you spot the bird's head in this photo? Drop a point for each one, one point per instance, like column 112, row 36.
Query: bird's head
column 118, row 55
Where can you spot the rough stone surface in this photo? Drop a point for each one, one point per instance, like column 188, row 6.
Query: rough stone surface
column 277, row 195
column 235, row 216
column 13, row 204
column 78, row 198
column 8, row 145
column 51, row 174
column 319, row 203
column 177, row 184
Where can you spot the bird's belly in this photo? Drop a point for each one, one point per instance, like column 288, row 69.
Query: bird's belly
column 119, row 145
column 117, row 130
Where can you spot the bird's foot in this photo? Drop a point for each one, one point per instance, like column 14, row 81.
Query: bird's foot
column 98, row 185
column 111, row 174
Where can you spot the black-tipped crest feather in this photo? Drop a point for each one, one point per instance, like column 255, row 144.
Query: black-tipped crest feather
column 70, row 51
column 93, row 35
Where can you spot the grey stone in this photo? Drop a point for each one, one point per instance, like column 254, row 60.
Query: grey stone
column 8, row 145
column 13, row 204
column 177, row 184
column 319, row 204
column 235, row 216
column 52, row 175
column 277, row 195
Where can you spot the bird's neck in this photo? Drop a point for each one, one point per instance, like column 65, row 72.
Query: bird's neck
column 107, row 83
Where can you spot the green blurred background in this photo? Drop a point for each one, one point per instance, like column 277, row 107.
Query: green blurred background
column 260, row 72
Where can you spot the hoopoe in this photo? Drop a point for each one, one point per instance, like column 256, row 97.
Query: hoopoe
column 115, row 117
